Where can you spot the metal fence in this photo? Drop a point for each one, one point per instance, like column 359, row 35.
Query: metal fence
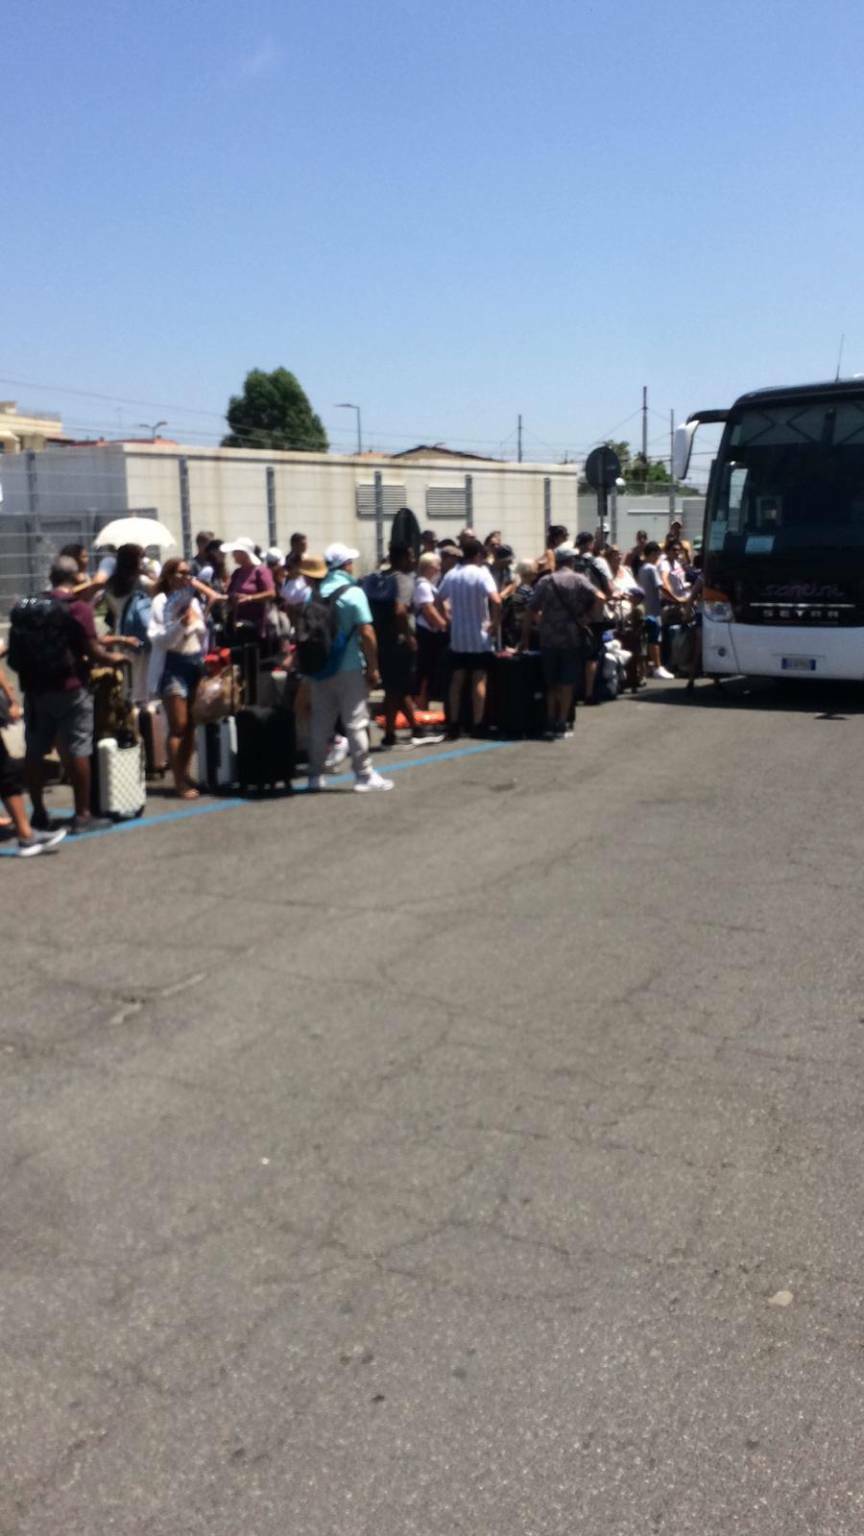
column 29, row 543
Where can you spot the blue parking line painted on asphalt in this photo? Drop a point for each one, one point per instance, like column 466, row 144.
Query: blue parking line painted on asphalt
column 419, row 762
column 185, row 812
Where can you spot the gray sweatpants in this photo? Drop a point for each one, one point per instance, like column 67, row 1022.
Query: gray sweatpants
column 343, row 695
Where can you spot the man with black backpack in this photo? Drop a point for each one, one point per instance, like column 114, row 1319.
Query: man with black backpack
column 391, row 603
column 561, row 605
column 587, row 563
column 334, row 636
column 52, row 641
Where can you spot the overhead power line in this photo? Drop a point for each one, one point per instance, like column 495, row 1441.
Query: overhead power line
column 560, row 449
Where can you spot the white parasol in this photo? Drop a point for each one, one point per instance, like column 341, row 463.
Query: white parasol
column 143, row 531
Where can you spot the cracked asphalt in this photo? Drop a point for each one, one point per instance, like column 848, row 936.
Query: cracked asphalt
column 482, row 1158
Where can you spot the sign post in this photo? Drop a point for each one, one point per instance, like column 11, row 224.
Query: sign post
column 602, row 469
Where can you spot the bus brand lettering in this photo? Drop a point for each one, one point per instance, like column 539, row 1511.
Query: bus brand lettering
column 803, row 592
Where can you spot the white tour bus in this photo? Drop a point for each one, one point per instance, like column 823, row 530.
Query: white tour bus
column 784, row 533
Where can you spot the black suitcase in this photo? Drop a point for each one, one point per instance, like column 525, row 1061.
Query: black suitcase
column 266, row 748
column 516, row 695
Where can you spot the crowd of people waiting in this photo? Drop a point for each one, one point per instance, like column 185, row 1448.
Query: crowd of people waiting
column 422, row 628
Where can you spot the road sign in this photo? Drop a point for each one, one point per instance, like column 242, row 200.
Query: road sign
column 602, row 468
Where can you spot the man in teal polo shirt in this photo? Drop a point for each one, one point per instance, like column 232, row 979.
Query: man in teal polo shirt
column 342, row 693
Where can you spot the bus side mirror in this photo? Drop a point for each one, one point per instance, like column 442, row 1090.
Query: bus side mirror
column 682, row 443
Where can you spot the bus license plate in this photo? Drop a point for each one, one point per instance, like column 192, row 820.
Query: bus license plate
column 798, row 663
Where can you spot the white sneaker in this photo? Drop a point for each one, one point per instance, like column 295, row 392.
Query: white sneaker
column 667, row 677
column 315, row 782
column 337, row 754
column 40, row 842
column 427, row 741
column 372, row 781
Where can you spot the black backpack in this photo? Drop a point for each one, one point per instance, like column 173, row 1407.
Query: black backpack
column 380, row 588
column 41, row 635
column 585, row 565
column 320, row 641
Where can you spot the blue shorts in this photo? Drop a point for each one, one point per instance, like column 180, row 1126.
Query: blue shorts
column 181, row 674
column 652, row 629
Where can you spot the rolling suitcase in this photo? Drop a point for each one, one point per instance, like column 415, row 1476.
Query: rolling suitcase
column 516, row 695
column 216, row 745
column 273, row 687
column 682, row 639
column 266, row 747
column 119, row 782
column 153, row 728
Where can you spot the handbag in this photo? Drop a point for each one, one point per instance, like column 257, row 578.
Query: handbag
column 216, row 697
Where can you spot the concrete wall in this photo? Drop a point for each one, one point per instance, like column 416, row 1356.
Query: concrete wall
column 315, row 493
column 649, row 512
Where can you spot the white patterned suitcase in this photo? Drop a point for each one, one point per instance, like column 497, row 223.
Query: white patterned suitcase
column 121, row 789
column 216, row 745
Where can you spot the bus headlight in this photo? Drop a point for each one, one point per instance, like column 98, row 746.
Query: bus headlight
column 719, row 610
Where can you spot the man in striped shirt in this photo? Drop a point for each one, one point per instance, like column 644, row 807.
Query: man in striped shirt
column 470, row 599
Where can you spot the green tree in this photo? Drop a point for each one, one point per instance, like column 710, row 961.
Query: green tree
column 273, row 412
column 641, row 471
column 624, row 454
column 636, row 471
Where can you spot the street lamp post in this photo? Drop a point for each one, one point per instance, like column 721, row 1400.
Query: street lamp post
column 345, row 405
column 152, row 428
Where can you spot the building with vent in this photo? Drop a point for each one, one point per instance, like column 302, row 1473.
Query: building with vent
column 23, row 430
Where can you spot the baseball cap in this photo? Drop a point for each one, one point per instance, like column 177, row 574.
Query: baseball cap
column 274, row 555
column 340, row 554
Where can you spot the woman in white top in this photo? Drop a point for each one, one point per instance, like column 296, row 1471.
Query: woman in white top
column 670, row 569
column 624, row 583
column 432, row 630
column 627, row 596
column 177, row 631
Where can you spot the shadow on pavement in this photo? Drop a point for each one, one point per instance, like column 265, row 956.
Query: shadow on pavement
column 823, row 700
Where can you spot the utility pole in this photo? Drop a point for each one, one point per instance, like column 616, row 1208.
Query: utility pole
column 671, row 464
column 645, row 427
column 519, row 440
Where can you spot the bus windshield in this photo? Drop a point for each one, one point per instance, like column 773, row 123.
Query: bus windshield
column 791, row 478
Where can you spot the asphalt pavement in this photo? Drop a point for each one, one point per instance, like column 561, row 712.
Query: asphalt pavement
column 482, row 1159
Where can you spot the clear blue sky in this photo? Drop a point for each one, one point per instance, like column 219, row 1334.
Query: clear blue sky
column 446, row 212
